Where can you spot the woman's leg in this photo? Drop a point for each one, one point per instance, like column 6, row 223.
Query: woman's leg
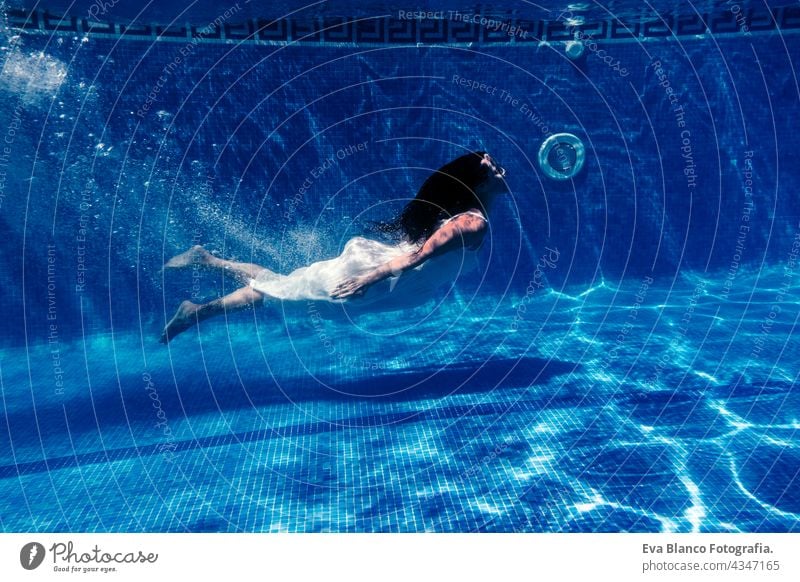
column 197, row 255
column 190, row 314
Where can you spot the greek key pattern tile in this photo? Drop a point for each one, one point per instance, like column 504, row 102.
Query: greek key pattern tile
column 395, row 30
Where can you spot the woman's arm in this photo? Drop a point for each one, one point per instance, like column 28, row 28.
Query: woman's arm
column 465, row 231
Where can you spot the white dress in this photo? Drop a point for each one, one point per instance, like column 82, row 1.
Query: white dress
column 410, row 288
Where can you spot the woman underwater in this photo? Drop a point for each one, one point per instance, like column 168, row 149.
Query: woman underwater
column 439, row 229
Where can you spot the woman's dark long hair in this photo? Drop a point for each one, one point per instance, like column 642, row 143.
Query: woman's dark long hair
column 447, row 192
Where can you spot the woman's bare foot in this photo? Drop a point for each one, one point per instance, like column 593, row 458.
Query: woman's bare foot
column 184, row 318
column 196, row 255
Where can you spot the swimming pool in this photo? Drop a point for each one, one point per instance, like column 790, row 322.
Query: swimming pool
column 625, row 359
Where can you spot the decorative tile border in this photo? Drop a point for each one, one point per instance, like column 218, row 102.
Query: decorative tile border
column 394, row 30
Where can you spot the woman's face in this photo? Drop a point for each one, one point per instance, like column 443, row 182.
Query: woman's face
column 494, row 167
column 496, row 181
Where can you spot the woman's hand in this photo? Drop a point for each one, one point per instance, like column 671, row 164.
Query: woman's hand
column 351, row 287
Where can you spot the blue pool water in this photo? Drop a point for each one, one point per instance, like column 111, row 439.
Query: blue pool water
column 624, row 360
